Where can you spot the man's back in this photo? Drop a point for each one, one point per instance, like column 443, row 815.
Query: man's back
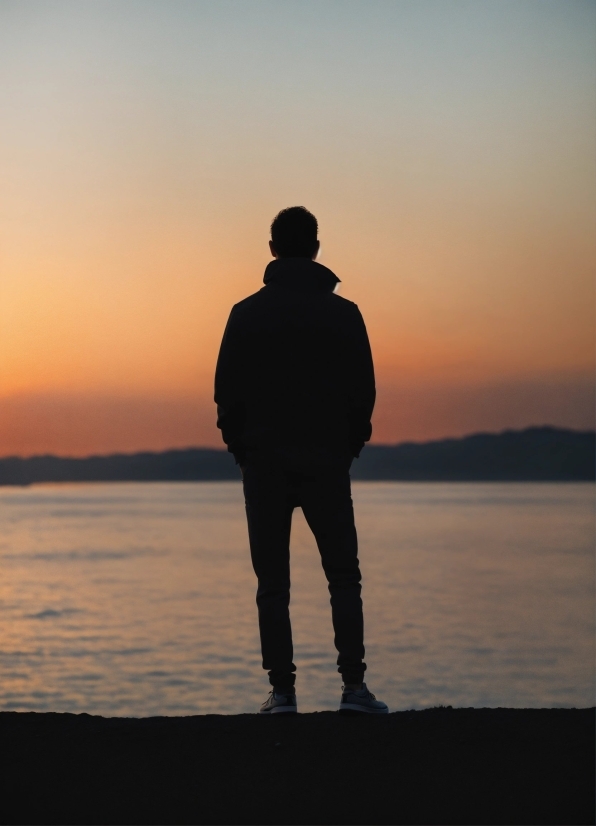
column 295, row 370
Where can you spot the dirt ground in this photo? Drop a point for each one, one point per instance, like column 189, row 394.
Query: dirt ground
column 440, row 766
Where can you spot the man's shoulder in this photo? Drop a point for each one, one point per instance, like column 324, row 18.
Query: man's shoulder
column 248, row 302
column 344, row 309
column 344, row 303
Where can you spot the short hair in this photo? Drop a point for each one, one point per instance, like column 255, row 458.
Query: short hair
column 294, row 233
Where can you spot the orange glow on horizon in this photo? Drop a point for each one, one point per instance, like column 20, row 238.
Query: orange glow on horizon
column 138, row 191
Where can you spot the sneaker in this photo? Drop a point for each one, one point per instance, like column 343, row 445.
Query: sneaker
column 279, row 704
column 361, row 701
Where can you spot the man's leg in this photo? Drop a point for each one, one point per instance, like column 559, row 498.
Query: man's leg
column 269, row 515
column 327, row 505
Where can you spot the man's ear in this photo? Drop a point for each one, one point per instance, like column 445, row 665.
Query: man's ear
column 316, row 252
column 272, row 248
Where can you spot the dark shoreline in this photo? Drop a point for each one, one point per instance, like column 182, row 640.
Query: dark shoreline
column 537, row 454
column 440, row 766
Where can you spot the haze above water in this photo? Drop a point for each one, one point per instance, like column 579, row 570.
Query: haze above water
column 138, row 599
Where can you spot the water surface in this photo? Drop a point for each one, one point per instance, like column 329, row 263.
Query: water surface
column 138, row 599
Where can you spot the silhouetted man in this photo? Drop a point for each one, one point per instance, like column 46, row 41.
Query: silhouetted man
column 295, row 391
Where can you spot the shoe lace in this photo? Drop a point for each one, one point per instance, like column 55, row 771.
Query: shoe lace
column 369, row 695
column 273, row 692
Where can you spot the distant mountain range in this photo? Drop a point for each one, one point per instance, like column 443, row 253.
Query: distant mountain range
column 536, row 454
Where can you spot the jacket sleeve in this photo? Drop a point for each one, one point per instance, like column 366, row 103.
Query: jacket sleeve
column 361, row 385
column 229, row 395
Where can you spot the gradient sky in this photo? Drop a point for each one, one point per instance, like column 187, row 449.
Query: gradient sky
column 447, row 148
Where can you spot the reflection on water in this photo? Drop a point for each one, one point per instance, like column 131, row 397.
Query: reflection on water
column 138, row 599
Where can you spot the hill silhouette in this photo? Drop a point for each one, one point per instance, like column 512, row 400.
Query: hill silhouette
column 534, row 454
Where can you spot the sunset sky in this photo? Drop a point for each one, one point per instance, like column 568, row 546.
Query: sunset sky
column 447, row 148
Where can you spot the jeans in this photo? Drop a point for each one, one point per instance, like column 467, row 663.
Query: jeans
column 271, row 492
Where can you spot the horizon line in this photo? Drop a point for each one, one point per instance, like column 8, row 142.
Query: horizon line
column 223, row 449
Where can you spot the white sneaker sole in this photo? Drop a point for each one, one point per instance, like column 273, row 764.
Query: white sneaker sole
column 349, row 707
column 281, row 710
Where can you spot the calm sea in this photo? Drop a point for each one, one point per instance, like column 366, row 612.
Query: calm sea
column 138, row 599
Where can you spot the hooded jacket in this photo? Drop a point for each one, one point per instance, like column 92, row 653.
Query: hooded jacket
column 295, row 373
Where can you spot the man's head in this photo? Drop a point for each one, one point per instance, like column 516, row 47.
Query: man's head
column 294, row 234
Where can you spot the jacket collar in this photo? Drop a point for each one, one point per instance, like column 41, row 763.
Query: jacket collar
column 300, row 274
